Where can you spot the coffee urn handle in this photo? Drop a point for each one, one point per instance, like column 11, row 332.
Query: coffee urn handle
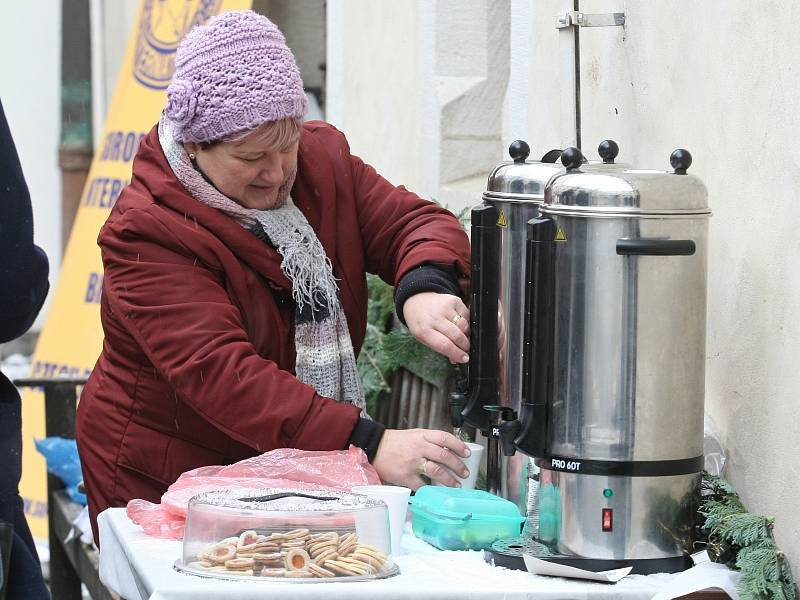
column 654, row 247
column 539, row 332
column 483, row 356
column 551, row 156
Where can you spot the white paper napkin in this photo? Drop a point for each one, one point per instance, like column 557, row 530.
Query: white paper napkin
column 704, row 575
column 538, row 566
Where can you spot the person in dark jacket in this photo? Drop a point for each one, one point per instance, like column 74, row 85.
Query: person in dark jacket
column 234, row 297
column 23, row 288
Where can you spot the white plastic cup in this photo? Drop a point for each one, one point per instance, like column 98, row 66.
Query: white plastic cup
column 396, row 499
column 473, row 463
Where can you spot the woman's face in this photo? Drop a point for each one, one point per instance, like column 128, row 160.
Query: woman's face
column 249, row 171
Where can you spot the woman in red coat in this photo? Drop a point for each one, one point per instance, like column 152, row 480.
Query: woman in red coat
column 234, row 299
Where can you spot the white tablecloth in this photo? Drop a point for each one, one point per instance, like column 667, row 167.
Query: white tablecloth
column 137, row 566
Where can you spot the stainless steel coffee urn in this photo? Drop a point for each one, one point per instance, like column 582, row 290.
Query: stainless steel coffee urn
column 491, row 401
column 514, row 193
column 613, row 367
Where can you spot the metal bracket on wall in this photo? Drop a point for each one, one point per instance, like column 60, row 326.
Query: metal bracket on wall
column 576, row 18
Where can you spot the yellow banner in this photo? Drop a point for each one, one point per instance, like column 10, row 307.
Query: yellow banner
column 71, row 339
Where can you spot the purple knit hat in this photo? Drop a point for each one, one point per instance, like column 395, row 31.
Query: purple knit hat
column 232, row 75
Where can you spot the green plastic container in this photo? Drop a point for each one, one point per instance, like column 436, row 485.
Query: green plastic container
column 458, row 519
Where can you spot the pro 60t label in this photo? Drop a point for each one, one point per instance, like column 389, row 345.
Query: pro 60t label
column 562, row 464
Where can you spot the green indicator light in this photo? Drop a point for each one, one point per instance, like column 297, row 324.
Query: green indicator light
column 607, row 493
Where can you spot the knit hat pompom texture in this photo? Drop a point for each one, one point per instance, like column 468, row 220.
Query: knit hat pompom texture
column 232, row 75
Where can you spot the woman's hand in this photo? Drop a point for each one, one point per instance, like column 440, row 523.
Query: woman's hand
column 405, row 454
column 441, row 322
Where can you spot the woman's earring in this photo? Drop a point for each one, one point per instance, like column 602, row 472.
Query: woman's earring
column 192, row 156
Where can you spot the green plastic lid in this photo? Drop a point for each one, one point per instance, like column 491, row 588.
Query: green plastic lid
column 458, row 503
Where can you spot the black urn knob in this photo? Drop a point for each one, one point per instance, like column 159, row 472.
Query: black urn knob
column 519, row 151
column 608, row 150
column 572, row 158
column 680, row 160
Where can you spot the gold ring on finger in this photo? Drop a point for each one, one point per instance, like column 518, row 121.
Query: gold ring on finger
column 424, row 468
column 456, row 318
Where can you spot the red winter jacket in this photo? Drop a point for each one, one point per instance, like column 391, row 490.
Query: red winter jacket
column 197, row 366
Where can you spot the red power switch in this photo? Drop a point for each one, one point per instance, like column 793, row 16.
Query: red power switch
column 608, row 519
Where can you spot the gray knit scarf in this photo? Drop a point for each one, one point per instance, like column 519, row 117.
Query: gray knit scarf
column 325, row 358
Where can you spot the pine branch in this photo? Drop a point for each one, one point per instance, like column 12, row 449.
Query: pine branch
column 760, row 559
column 717, row 511
column 744, row 529
column 385, row 351
column 744, row 542
column 717, row 485
column 380, row 306
column 372, row 367
column 775, row 591
column 407, row 353
column 372, row 360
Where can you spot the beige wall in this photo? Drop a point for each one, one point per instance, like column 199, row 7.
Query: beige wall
column 717, row 77
column 418, row 88
column 372, row 92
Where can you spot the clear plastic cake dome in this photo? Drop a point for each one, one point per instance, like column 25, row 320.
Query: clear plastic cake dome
column 291, row 535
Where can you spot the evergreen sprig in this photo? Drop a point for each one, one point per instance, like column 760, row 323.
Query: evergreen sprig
column 744, row 542
column 374, row 366
column 406, row 352
column 386, row 350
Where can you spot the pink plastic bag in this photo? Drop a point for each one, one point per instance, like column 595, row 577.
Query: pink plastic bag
column 286, row 467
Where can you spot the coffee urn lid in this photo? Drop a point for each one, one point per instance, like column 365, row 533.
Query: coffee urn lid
column 521, row 179
column 525, row 180
column 578, row 191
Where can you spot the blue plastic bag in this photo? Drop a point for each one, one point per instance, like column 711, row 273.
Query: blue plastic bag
column 62, row 461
